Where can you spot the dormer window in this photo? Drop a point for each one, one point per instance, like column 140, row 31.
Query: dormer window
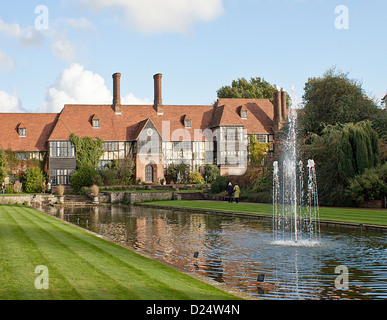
column 243, row 113
column 187, row 122
column 95, row 121
column 21, row 130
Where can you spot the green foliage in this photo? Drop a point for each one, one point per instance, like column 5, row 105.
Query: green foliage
column 195, row 177
column 256, row 88
column 126, row 170
column 357, row 150
column 211, row 171
column 219, row 185
column 173, row 169
column 257, row 151
column 33, row 180
column 86, row 176
column 341, row 152
column 334, row 98
column 264, row 183
column 87, row 151
column 370, row 185
column 3, row 165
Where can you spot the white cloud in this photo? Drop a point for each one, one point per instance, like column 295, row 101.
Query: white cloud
column 63, row 48
column 81, row 24
column 75, row 85
column 28, row 37
column 10, row 103
column 6, row 62
column 158, row 16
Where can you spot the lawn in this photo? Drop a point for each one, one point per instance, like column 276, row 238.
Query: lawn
column 351, row 215
column 82, row 265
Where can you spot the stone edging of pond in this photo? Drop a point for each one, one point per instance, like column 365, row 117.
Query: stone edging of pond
column 335, row 224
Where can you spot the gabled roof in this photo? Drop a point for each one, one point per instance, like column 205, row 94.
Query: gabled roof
column 128, row 125
column 260, row 113
column 38, row 128
column 224, row 116
column 42, row 127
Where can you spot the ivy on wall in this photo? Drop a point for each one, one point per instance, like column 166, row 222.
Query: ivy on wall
column 87, row 151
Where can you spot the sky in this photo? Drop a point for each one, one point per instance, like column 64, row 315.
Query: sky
column 65, row 51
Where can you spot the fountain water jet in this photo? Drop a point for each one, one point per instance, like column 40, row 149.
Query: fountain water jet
column 295, row 208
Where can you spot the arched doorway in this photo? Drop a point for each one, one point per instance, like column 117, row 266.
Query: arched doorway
column 149, row 173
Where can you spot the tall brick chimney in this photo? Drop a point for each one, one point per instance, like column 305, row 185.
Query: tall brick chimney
column 277, row 107
column 284, row 110
column 158, row 102
column 117, row 93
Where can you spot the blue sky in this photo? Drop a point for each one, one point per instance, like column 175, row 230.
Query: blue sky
column 198, row 46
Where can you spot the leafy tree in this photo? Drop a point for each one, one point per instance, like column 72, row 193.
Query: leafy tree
column 357, row 150
column 341, row 152
column 334, row 98
column 33, row 180
column 256, row 88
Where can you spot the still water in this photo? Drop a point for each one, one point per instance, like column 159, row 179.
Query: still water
column 235, row 251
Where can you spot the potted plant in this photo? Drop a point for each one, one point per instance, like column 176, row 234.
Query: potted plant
column 61, row 190
column 94, row 192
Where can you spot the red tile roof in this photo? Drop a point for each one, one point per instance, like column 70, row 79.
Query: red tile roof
column 38, row 128
column 128, row 125
column 77, row 119
column 260, row 113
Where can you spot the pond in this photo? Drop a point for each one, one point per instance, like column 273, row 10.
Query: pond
column 240, row 252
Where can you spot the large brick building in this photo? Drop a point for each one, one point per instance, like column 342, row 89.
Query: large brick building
column 155, row 135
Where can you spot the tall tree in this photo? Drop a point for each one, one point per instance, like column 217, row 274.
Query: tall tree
column 334, row 98
column 256, row 88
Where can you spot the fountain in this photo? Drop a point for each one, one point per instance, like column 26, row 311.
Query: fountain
column 295, row 206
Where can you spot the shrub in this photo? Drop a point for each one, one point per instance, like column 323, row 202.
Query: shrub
column 173, row 169
column 370, row 185
column 109, row 176
column 211, row 171
column 195, row 178
column 33, row 180
column 9, row 189
column 219, row 185
column 85, row 177
column 126, row 170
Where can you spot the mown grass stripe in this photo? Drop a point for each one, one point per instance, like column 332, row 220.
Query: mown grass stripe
column 35, row 255
column 136, row 273
column 58, row 241
column 86, row 264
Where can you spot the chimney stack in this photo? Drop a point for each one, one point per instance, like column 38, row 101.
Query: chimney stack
column 117, row 93
column 284, row 110
column 277, row 107
column 158, row 101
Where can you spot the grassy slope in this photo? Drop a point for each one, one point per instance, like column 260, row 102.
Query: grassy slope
column 375, row 217
column 82, row 266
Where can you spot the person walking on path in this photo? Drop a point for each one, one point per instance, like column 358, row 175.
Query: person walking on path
column 237, row 192
column 3, row 187
column 230, row 190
